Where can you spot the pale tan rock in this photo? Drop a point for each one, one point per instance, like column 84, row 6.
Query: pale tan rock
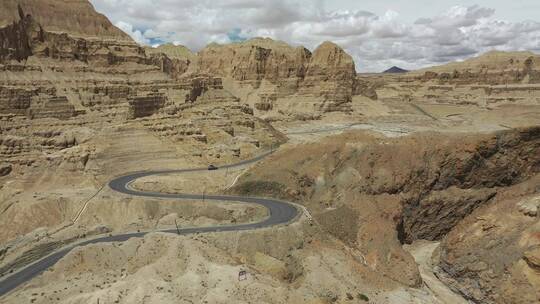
column 332, row 61
column 530, row 207
column 532, row 257
column 254, row 60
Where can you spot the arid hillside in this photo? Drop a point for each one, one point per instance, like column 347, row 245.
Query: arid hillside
column 375, row 193
column 404, row 184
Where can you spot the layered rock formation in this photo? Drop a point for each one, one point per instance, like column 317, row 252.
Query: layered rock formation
column 490, row 80
column 27, row 37
column 255, row 60
column 142, row 106
column 74, row 17
column 273, row 76
column 55, row 107
column 332, row 72
column 16, row 39
column 494, row 68
column 14, row 100
column 80, row 102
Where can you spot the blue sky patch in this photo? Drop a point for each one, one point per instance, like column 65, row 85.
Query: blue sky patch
column 235, row 35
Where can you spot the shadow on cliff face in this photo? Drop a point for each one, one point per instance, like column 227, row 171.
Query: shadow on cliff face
column 16, row 38
column 467, row 178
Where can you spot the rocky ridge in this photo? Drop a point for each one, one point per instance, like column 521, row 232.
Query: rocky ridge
column 490, row 80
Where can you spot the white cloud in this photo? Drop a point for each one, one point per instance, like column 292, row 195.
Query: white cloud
column 137, row 35
column 375, row 42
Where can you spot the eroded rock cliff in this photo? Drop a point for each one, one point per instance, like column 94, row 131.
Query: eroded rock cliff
column 270, row 74
column 74, row 17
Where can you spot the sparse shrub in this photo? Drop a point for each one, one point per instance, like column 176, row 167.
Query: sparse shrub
column 262, row 188
column 362, row 297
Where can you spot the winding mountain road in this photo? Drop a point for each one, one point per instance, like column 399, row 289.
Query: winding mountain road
column 280, row 212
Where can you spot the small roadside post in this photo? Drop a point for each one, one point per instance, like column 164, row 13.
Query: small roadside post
column 177, row 229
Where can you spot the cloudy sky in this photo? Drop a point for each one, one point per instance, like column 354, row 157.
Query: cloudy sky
column 377, row 33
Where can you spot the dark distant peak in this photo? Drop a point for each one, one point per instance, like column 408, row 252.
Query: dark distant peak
column 394, row 70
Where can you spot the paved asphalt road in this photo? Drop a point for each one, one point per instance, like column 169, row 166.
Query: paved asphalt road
column 280, row 213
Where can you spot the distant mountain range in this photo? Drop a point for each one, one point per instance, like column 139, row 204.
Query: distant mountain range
column 395, row 70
